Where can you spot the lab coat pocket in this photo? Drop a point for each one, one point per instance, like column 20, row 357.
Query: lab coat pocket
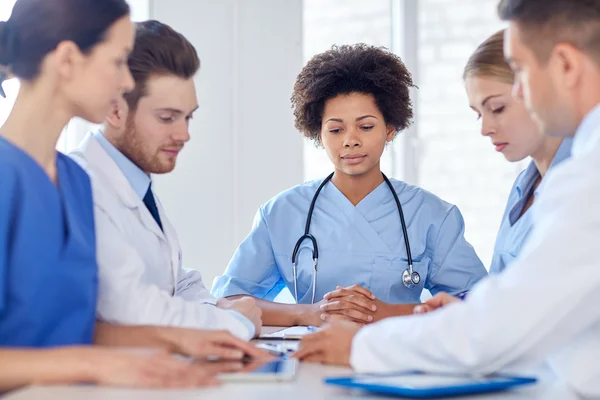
column 387, row 282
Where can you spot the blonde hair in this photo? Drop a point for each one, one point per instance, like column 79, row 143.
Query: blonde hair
column 488, row 60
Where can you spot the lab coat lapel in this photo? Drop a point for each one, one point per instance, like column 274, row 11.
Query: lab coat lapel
column 361, row 228
column 102, row 163
column 172, row 240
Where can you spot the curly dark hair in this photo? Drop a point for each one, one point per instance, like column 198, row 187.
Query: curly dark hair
column 358, row 68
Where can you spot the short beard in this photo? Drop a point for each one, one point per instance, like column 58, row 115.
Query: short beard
column 131, row 144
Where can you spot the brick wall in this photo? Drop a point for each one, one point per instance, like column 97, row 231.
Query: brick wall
column 456, row 162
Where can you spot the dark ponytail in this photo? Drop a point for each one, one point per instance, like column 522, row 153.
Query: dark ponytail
column 36, row 27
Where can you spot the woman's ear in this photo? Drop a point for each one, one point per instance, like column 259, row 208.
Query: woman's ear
column 391, row 133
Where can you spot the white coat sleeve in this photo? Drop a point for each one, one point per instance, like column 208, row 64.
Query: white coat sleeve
column 125, row 298
column 191, row 287
column 544, row 304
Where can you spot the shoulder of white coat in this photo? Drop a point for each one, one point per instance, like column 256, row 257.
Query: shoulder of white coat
column 410, row 193
column 104, row 193
column 300, row 192
column 573, row 181
column 74, row 166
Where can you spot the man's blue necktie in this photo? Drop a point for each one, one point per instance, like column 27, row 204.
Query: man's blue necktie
column 151, row 205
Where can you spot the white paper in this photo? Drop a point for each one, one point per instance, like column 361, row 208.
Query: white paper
column 291, row 332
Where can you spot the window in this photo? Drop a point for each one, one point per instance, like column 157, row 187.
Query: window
column 454, row 161
column 343, row 22
column 447, row 154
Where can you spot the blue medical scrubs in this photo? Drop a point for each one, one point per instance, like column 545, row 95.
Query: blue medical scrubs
column 48, row 273
column 515, row 228
column 360, row 244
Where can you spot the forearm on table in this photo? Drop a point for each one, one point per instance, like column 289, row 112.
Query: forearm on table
column 279, row 314
column 134, row 336
column 21, row 367
column 395, row 310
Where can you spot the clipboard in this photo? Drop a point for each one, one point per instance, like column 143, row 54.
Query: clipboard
column 420, row 385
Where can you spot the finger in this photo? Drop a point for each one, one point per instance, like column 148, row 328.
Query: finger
column 215, row 368
column 422, row 309
column 358, row 302
column 217, row 350
column 353, row 314
column 223, row 351
column 440, row 300
column 342, row 292
column 161, row 374
column 168, row 364
column 313, row 337
column 308, row 350
column 316, row 358
column 229, row 342
column 332, row 318
column 363, row 291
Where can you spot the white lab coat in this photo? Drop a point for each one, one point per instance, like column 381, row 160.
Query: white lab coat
column 141, row 278
column 543, row 306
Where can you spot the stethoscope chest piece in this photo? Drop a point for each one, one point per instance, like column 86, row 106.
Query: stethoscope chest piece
column 410, row 278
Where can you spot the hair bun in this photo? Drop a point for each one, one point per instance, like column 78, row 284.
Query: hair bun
column 7, row 41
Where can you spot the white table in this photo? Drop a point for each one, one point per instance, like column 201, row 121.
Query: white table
column 307, row 386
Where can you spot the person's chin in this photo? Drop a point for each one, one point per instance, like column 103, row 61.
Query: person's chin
column 164, row 168
column 355, row 170
column 513, row 157
column 96, row 116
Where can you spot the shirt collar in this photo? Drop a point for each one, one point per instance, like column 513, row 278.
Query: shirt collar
column 587, row 132
column 531, row 174
column 527, row 180
column 138, row 179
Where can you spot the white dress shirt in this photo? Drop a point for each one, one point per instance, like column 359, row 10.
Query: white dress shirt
column 545, row 306
column 141, row 274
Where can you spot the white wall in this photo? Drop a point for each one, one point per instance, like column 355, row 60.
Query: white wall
column 244, row 148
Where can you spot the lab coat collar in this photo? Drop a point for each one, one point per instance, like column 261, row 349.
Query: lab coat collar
column 531, row 174
column 100, row 162
column 588, row 133
column 138, row 179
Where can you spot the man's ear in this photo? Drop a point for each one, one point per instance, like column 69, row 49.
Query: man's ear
column 117, row 118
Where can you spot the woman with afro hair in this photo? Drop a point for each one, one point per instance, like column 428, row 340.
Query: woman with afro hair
column 351, row 100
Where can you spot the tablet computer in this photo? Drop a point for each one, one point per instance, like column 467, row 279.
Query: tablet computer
column 282, row 369
column 422, row 385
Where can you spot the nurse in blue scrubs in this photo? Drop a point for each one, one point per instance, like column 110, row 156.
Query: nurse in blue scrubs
column 352, row 101
column 512, row 132
column 48, row 271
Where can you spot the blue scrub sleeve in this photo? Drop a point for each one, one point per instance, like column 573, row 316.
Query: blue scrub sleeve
column 8, row 200
column 455, row 266
column 252, row 269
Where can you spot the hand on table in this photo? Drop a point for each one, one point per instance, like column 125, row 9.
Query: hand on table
column 247, row 307
column 438, row 301
column 330, row 345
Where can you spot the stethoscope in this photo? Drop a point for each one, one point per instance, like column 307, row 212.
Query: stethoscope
column 410, row 278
